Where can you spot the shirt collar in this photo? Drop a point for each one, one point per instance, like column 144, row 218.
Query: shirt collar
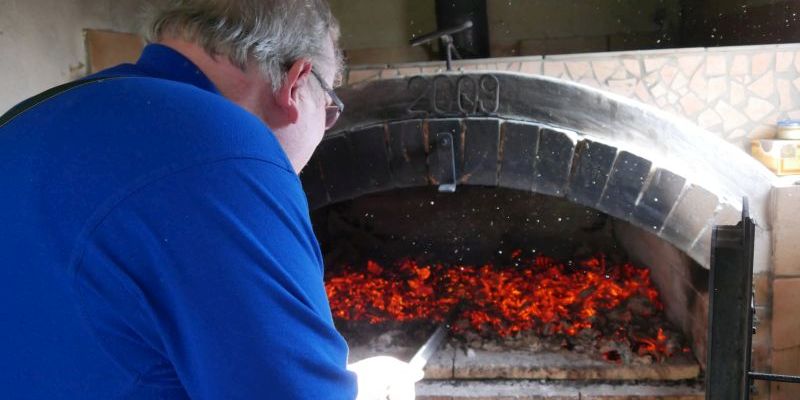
column 160, row 61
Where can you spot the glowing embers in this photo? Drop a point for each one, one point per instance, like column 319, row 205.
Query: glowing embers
column 611, row 303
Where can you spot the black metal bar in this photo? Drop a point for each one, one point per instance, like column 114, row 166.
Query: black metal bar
column 730, row 310
column 748, row 232
column 774, row 377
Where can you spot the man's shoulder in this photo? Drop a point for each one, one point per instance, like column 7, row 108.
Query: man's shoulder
column 163, row 98
column 155, row 114
column 103, row 140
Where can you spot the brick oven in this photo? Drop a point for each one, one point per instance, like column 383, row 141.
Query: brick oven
column 477, row 168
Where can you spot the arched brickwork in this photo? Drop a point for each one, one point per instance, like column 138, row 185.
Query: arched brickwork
column 541, row 135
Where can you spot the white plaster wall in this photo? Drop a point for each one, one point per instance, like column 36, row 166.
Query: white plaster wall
column 41, row 41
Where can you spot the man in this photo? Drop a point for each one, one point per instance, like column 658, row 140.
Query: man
column 154, row 235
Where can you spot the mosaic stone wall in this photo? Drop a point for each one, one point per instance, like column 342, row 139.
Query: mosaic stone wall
column 738, row 93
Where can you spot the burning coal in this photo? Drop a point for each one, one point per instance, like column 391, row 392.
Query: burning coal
column 542, row 295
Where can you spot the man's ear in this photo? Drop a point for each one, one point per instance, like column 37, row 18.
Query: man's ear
column 287, row 96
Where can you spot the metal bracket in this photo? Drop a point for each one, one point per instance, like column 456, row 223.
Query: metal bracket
column 446, row 36
column 443, row 166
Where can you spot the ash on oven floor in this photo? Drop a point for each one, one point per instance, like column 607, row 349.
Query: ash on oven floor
column 522, row 357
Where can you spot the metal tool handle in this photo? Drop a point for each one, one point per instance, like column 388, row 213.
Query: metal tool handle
column 433, row 343
column 428, row 349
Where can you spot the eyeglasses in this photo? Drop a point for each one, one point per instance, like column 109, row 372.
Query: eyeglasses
column 332, row 112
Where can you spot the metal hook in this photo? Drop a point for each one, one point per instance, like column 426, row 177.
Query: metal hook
column 446, row 161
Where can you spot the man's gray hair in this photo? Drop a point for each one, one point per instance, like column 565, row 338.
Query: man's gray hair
column 270, row 33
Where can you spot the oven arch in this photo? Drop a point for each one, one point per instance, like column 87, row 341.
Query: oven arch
column 657, row 171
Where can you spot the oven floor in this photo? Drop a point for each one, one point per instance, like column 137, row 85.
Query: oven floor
column 563, row 390
column 454, row 361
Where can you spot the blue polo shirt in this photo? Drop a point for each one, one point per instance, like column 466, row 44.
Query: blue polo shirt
column 155, row 243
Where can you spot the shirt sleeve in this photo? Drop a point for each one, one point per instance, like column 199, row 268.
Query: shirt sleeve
column 211, row 279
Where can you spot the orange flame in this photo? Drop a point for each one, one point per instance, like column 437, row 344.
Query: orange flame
column 540, row 293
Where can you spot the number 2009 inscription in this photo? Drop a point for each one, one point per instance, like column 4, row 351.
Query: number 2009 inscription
column 442, row 94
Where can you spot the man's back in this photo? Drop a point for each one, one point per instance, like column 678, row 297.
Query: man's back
column 156, row 244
